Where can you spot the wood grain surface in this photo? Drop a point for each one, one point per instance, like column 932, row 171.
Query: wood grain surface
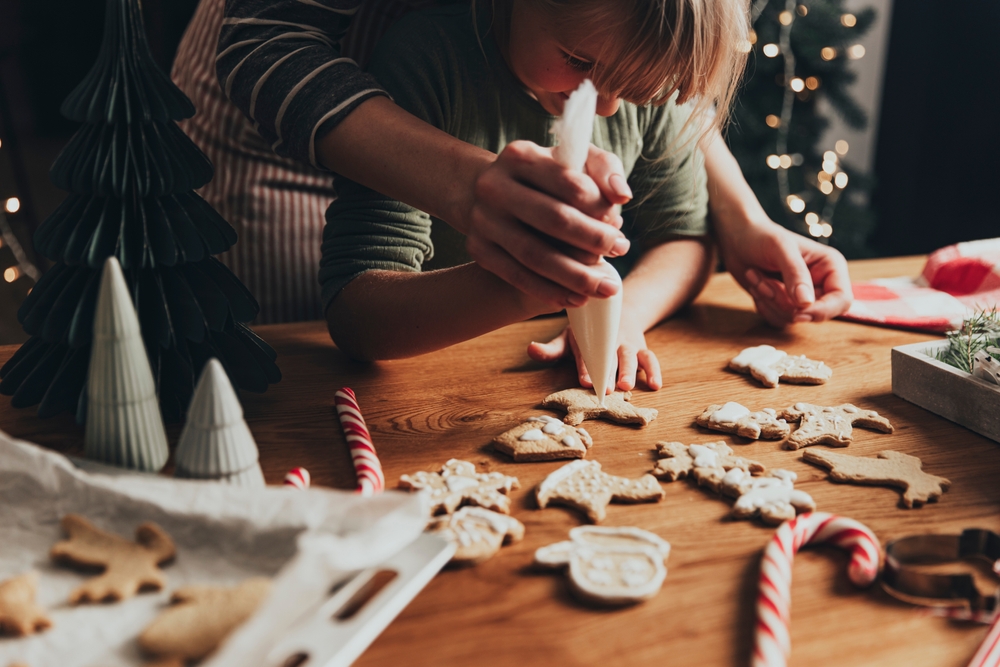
column 426, row 410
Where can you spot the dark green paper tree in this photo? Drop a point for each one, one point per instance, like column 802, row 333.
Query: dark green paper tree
column 131, row 173
column 811, row 41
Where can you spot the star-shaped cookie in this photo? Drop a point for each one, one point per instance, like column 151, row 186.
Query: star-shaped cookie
column 889, row 468
column 735, row 418
column 543, row 438
column 768, row 365
column 581, row 404
column 834, row 426
column 583, row 485
column 458, row 483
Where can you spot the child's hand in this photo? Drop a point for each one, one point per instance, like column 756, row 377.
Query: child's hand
column 633, row 356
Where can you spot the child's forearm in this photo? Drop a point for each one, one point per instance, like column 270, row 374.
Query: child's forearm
column 391, row 315
column 664, row 279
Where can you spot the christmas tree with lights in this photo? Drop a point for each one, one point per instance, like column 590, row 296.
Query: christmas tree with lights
column 801, row 53
column 131, row 173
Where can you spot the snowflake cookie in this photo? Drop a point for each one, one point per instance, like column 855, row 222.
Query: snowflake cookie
column 735, row 418
column 458, row 483
column 768, row 365
column 610, row 566
column 543, row 438
column 583, row 485
column 581, row 404
column 832, row 426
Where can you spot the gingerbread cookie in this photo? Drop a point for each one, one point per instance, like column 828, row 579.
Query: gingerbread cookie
column 19, row 615
column 610, row 566
column 458, row 483
column 773, row 497
column 581, row 404
column 735, row 418
column 477, row 533
column 544, row 438
column 707, row 463
column 768, row 365
column 832, row 426
column 200, row 617
column 889, row 468
column 583, row 485
column 128, row 566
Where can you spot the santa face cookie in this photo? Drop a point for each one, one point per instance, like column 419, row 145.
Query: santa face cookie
column 735, row 418
column 458, row 483
column 610, row 566
column 834, row 426
column 477, row 533
column 768, row 365
column 543, row 438
column 581, row 404
column 583, row 485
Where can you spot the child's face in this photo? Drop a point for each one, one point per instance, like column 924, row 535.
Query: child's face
column 548, row 61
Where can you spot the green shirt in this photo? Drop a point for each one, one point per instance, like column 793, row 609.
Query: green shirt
column 435, row 67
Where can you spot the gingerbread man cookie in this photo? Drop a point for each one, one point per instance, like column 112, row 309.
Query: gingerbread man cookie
column 128, row 566
column 583, row 485
column 610, row 566
column 768, row 365
column 773, row 497
column 458, row 483
column 581, row 404
column 735, row 418
column 477, row 533
column 200, row 617
column 707, row 463
column 832, row 426
column 544, row 438
column 19, row 614
column 889, row 468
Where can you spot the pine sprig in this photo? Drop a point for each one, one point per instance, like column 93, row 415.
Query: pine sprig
column 978, row 332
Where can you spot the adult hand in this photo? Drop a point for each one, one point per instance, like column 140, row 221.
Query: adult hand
column 791, row 278
column 538, row 225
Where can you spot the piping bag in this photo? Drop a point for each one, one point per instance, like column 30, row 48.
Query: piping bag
column 595, row 325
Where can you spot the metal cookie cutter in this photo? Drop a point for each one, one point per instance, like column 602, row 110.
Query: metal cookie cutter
column 942, row 590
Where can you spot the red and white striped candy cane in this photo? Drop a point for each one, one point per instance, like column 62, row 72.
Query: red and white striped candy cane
column 366, row 464
column 772, row 644
column 297, row 477
column 988, row 654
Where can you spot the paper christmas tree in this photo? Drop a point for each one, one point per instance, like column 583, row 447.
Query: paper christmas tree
column 131, row 173
column 216, row 442
column 124, row 427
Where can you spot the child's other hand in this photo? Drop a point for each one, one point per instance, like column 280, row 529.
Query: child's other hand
column 539, row 226
column 633, row 356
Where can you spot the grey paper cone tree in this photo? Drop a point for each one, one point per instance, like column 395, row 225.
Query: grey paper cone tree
column 124, row 427
column 131, row 173
column 216, row 442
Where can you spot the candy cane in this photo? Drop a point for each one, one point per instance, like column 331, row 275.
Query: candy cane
column 366, row 463
column 988, row 654
column 297, row 477
column 771, row 644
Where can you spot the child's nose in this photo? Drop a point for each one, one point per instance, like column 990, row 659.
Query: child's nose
column 607, row 106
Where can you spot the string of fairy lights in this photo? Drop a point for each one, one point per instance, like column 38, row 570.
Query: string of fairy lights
column 830, row 180
column 22, row 265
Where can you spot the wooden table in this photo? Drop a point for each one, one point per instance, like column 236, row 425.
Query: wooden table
column 426, row 410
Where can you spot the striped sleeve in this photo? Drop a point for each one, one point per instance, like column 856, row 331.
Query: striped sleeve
column 279, row 61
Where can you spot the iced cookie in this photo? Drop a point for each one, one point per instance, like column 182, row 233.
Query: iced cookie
column 584, row 486
column 458, row 483
column 611, row 566
column 707, row 463
column 200, row 617
column 832, row 426
column 19, row 614
column 768, row 365
column 128, row 566
column 735, row 418
column 773, row 496
column 581, row 404
column 889, row 468
column 477, row 533
column 543, row 438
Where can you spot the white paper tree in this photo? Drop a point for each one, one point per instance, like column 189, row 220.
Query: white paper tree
column 216, row 442
column 124, row 427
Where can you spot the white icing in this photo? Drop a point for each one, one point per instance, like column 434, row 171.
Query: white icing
column 533, row 434
column 703, row 456
column 500, row 523
column 761, row 360
column 600, row 577
column 595, row 327
column 564, row 473
column 568, row 440
column 771, row 411
column 582, row 431
column 730, row 412
column 801, row 407
column 458, row 483
column 552, row 426
column 850, row 408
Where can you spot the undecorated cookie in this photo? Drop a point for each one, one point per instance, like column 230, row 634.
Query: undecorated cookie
column 477, row 533
column 458, row 483
column 610, row 566
column 19, row 614
column 581, row 404
column 584, row 486
column 834, row 426
column 707, row 463
column 889, row 468
column 735, row 418
column 773, row 496
column 200, row 617
column 544, row 438
column 128, row 566
column 768, row 365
